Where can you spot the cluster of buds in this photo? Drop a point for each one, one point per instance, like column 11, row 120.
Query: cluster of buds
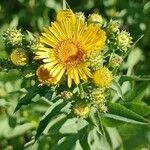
column 14, row 39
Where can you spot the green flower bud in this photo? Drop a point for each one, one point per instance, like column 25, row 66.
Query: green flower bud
column 113, row 26
column 80, row 16
column 97, row 96
column 95, row 60
column 116, row 61
column 13, row 36
column 124, row 40
column 34, row 44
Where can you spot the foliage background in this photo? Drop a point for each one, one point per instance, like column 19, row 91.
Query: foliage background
column 33, row 15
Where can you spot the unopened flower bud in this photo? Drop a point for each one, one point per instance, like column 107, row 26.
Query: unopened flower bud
column 66, row 95
column 124, row 40
column 95, row 60
column 96, row 19
column 102, row 108
column 80, row 16
column 113, row 26
column 97, row 96
column 116, row 61
column 13, row 36
column 19, row 57
column 66, row 14
column 81, row 109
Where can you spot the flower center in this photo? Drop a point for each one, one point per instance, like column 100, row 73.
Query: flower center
column 69, row 53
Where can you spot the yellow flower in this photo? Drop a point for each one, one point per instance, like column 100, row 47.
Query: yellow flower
column 19, row 57
column 68, row 43
column 102, row 77
column 44, row 76
column 81, row 109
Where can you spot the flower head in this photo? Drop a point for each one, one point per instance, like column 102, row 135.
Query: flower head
column 102, row 77
column 81, row 109
column 67, row 44
column 19, row 57
column 44, row 76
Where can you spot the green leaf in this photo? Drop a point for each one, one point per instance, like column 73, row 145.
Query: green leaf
column 114, row 137
column 97, row 141
column 138, row 93
column 68, row 142
column 52, row 112
column 140, row 108
column 119, row 112
column 124, row 78
column 116, row 87
column 12, row 120
column 27, row 99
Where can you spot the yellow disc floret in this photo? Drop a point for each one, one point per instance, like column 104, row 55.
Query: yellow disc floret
column 19, row 57
column 102, row 77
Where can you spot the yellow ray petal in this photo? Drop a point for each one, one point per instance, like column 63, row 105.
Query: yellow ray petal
column 87, row 71
column 57, row 70
column 47, row 41
column 59, row 76
column 69, row 78
column 82, row 74
column 76, row 76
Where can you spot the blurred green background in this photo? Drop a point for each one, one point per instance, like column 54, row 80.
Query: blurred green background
column 33, row 15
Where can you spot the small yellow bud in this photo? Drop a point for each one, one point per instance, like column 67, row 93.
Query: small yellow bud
column 102, row 108
column 19, row 57
column 66, row 95
column 102, row 77
column 67, row 13
column 44, row 76
column 81, row 109
column 95, row 18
